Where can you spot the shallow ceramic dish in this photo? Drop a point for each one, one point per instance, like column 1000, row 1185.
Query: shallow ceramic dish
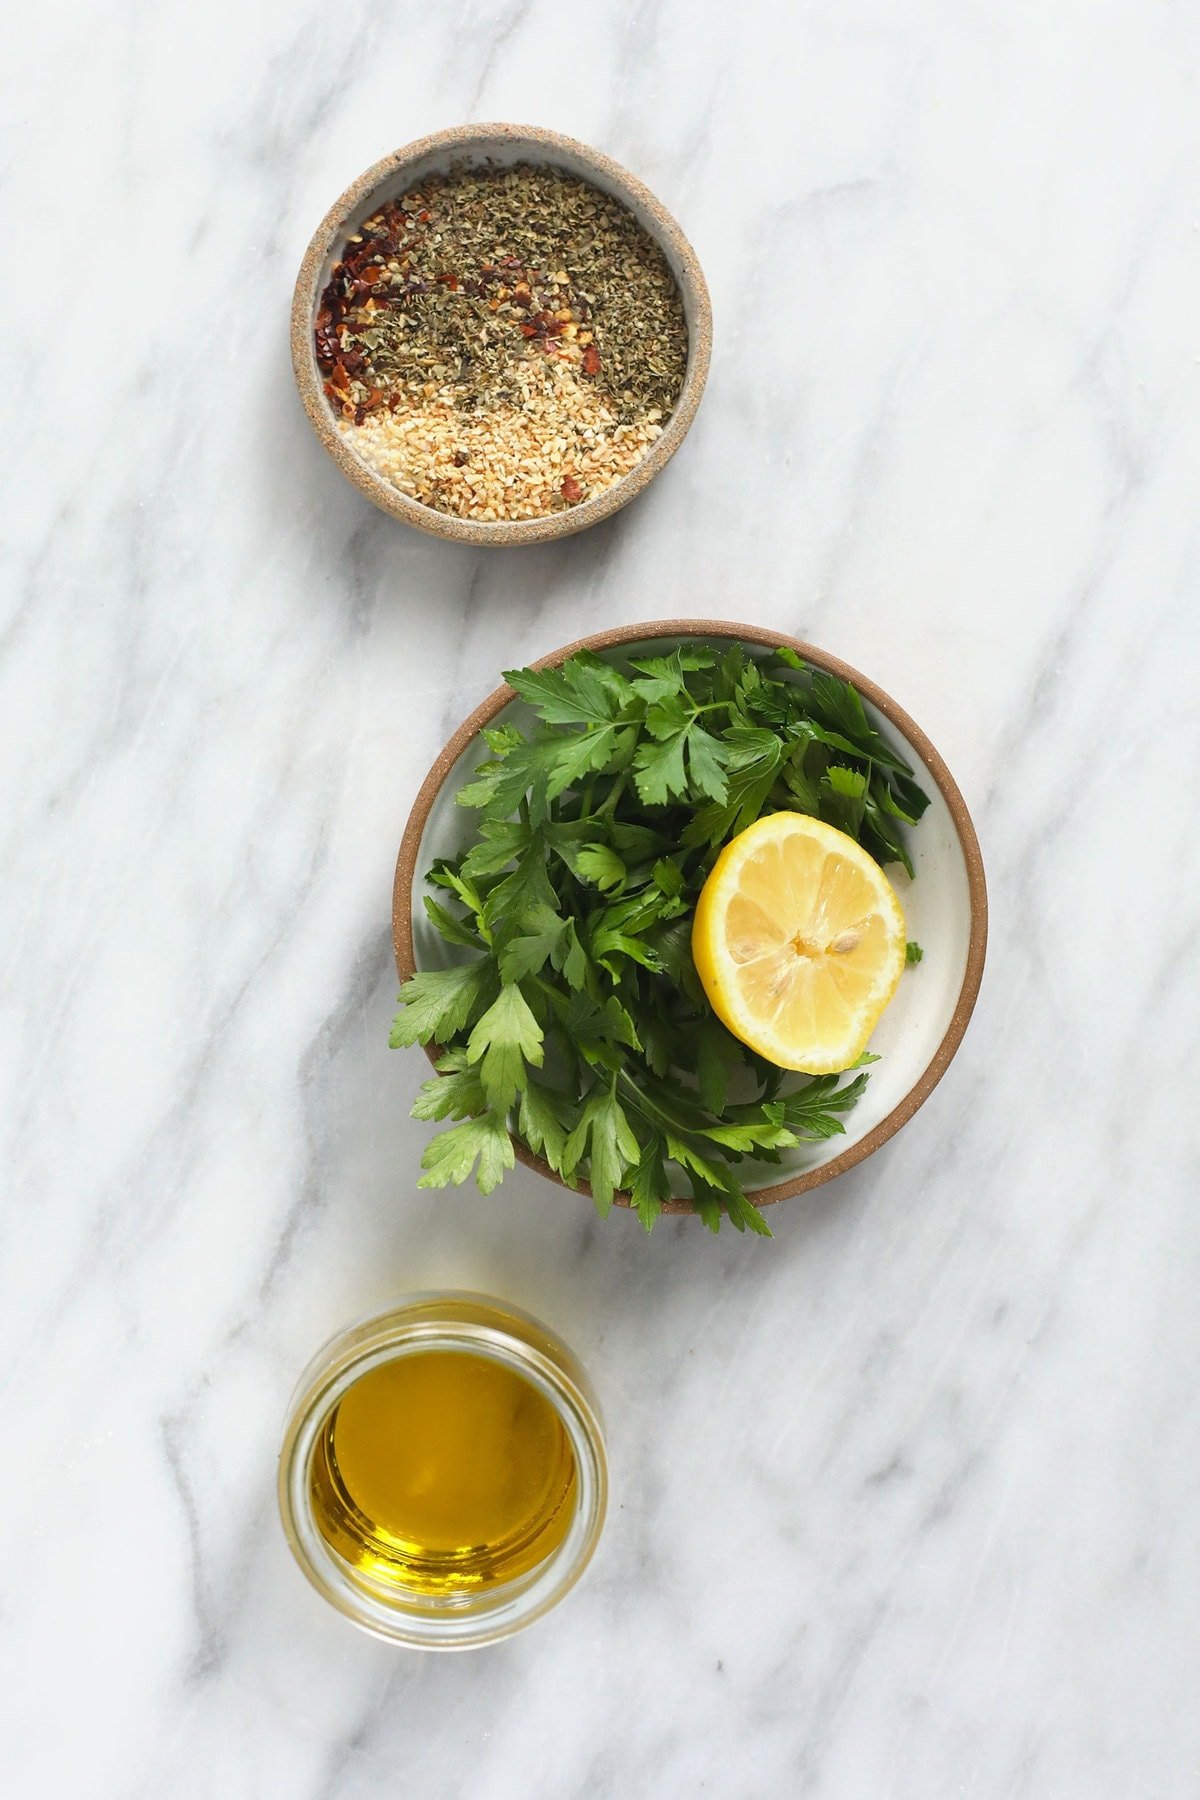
column 503, row 144
column 945, row 906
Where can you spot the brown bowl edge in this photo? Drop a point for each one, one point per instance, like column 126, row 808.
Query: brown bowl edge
column 502, row 532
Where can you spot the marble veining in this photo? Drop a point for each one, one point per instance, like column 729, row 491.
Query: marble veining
column 905, row 1500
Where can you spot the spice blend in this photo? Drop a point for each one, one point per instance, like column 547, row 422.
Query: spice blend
column 502, row 343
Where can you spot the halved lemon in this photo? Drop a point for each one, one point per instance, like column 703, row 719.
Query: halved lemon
column 799, row 942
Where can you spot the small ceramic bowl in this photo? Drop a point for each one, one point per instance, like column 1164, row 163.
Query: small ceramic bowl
column 504, row 144
column 945, row 906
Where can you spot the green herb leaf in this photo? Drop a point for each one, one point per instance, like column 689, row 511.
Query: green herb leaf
column 500, row 842
column 813, row 1110
column 718, row 1053
column 542, row 1122
column 706, row 765
column 913, row 952
column 601, row 1031
column 606, row 1136
column 528, row 953
column 481, row 1144
column 566, row 696
column 607, row 943
column 455, row 1092
column 454, row 882
column 583, row 691
column 455, row 931
column 505, row 1039
column 844, row 793
column 745, row 1215
column 649, row 1186
column 600, row 865
column 668, row 878
column 754, row 1135
column 437, row 1004
column 636, row 843
column 524, row 894
column 658, row 769
column 571, row 958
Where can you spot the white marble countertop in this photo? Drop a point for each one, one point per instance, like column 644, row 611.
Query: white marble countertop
column 905, row 1501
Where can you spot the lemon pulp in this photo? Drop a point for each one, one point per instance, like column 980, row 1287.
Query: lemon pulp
column 799, row 942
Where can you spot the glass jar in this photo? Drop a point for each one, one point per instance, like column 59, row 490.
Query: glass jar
column 461, row 1324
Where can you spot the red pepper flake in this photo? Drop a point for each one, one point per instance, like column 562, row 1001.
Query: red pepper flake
column 571, row 490
column 543, row 325
column 460, row 459
column 591, row 360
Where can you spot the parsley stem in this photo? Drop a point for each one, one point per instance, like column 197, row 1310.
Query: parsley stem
column 653, row 1109
column 609, row 802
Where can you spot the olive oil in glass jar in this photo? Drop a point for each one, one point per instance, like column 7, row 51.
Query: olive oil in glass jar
column 442, row 1478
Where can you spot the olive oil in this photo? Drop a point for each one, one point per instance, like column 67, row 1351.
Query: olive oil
column 443, row 1472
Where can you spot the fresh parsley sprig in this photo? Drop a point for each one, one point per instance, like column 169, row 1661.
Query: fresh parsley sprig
column 575, row 1019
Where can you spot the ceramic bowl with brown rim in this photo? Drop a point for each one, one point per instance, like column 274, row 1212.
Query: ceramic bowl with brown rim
column 945, row 905
column 497, row 145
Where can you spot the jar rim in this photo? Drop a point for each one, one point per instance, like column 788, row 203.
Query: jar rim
column 442, row 1321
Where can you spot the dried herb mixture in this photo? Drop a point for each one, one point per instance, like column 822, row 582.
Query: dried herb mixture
column 502, row 342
